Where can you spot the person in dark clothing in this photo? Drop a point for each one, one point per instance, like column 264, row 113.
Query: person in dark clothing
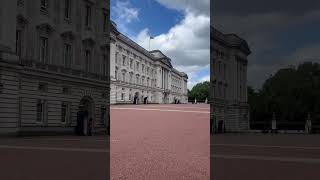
column 90, row 127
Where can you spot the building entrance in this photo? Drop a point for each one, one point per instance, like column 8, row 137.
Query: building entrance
column 85, row 116
column 220, row 126
column 145, row 100
column 136, row 98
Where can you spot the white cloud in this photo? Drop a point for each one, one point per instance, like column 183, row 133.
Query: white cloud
column 195, row 6
column 187, row 43
column 205, row 78
column 193, row 74
column 125, row 14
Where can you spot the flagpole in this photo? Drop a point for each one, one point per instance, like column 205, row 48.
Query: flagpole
column 150, row 37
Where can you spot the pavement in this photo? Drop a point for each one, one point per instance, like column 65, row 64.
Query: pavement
column 160, row 142
column 265, row 157
column 54, row 158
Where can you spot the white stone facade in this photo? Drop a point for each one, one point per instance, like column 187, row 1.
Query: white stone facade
column 53, row 58
column 229, row 80
column 139, row 76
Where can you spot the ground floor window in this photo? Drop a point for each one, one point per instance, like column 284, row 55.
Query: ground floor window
column 65, row 113
column 122, row 96
column 41, row 111
column 130, row 96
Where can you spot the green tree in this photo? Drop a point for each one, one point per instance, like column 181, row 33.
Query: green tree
column 200, row 91
column 291, row 93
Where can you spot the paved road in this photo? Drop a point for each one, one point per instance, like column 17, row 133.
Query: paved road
column 160, row 142
column 265, row 157
column 54, row 158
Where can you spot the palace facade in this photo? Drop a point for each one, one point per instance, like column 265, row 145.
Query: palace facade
column 229, row 102
column 54, row 61
column 139, row 76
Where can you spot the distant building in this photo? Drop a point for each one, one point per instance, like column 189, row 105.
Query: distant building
column 229, row 105
column 54, row 58
column 139, row 76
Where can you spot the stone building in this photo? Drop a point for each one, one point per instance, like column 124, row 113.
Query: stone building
column 229, row 106
column 54, row 58
column 140, row 76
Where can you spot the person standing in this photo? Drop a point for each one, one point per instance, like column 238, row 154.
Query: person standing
column 273, row 124
column 308, row 127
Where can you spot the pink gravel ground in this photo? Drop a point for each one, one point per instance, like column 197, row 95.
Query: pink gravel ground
column 160, row 142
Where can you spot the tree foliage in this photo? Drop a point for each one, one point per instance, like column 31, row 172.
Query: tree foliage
column 200, row 91
column 291, row 93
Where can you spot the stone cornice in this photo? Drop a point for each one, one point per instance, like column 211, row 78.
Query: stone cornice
column 230, row 40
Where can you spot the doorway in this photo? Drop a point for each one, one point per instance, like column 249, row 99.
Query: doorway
column 136, row 98
column 145, row 100
column 220, row 126
column 85, row 113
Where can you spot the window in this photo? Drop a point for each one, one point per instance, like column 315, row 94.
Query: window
column 65, row 111
column 88, row 16
column 123, row 77
column 67, row 9
column 224, row 70
column 137, row 80
column 43, row 87
column 105, row 22
column 44, row 4
column 142, row 67
column 65, row 90
column 131, row 77
column 104, row 65
column 18, row 42
column 40, row 111
column 116, row 74
column 130, row 97
column 122, row 96
column 137, row 66
column 87, row 61
column 123, row 60
column 117, row 54
column 131, row 61
column 43, row 49
column 67, row 55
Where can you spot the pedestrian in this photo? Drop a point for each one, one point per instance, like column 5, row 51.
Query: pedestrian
column 273, row 124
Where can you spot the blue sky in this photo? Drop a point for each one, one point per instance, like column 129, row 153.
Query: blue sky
column 152, row 14
column 180, row 28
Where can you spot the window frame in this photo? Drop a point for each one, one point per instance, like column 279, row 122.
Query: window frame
column 44, row 50
column 67, row 54
column 87, row 60
column 44, row 4
column 42, row 113
column 66, row 114
column 88, row 15
column 19, row 42
column 67, row 9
